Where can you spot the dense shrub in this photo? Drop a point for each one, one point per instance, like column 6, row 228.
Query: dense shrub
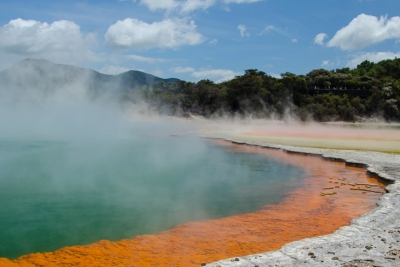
column 258, row 94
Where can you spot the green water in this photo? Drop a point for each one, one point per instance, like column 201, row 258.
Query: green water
column 55, row 194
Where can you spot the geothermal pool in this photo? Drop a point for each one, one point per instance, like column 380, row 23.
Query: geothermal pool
column 62, row 193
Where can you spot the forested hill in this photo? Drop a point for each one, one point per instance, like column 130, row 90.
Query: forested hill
column 45, row 76
column 371, row 90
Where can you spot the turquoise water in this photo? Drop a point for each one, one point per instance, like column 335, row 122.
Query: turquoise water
column 55, row 194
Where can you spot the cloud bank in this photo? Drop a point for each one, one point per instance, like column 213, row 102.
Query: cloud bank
column 61, row 40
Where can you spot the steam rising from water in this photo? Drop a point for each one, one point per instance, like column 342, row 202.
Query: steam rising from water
column 82, row 167
column 76, row 169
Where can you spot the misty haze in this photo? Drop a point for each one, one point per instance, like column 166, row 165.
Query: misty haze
column 80, row 164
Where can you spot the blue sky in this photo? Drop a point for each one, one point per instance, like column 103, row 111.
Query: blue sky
column 198, row 39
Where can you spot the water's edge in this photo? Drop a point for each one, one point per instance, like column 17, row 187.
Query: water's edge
column 372, row 239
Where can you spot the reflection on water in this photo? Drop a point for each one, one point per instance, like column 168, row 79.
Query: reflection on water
column 55, row 194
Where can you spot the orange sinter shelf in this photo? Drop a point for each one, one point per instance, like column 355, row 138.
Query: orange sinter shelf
column 330, row 196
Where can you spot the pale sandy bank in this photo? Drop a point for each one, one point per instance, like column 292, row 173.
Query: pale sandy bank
column 368, row 137
column 373, row 239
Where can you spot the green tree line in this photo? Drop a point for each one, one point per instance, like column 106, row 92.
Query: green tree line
column 369, row 90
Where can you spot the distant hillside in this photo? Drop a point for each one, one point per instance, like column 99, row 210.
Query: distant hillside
column 47, row 77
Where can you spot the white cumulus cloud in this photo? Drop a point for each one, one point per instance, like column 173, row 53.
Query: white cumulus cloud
column 243, row 30
column 319, row 39
column 372, row 56
column 136, row 34
column 59, row 41
column 365, row 30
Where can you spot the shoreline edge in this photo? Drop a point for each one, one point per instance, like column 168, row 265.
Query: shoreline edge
column 373, row 239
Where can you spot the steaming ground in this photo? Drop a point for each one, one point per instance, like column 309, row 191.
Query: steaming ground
column 382, row 137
